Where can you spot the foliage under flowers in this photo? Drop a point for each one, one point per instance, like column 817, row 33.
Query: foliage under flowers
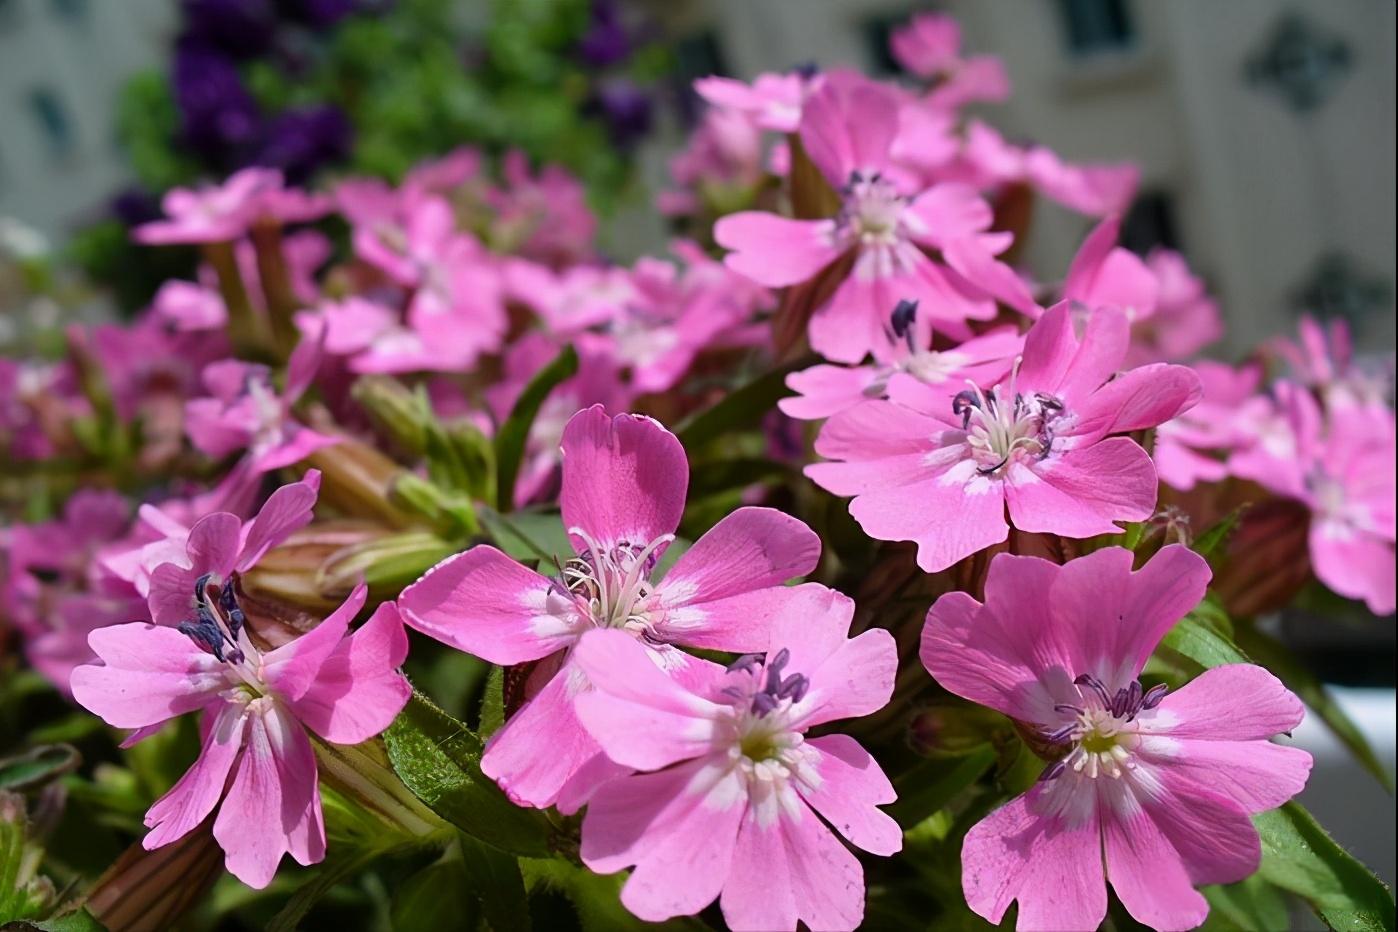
column 650, row 644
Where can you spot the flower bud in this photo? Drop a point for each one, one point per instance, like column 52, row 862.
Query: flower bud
column 387, row 563
column 1268, row 559
column 151, row 890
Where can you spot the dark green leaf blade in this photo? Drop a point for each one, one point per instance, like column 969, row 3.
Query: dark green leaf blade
column 744, row 407
column 510, row 440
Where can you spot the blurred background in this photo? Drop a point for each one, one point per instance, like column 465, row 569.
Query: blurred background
column 1265, row 130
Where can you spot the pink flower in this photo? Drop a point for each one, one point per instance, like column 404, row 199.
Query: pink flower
column 220, row 545
column 848, row 129
column 1323, row 359
column 1044, row 443
column 219, row 213
column 1186, row 318
column 826, row 390
column 1148, row 791
column 375, row 338
column 257, row 758
column 722, row 161
column 772, row 101
column 542, row 216
column 624, row 481
column 1194, row 446
column 244, row 412
column 190, row 306
column 929, row 46
column 735, row 800
column 1341, row 464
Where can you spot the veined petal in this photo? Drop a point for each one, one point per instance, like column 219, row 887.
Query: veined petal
column 194, row 796
column 149, row 674
column 294, row 667
column 358, row 691
column 851, row 784
column 776, row 251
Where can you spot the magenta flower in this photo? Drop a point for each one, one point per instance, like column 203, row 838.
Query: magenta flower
column 772, row 101
column 735, row 799
column 219, row 213
column 1323, row 359
column 848, row 129
column 929, row 46
column 826, row 390
column 1186, row 318
column 1194, row 447
column 1149, row 791
column 220, row 545
column 189, row 306
column 256, row 759
column 624, row 481
column 244, row 412
column 1043, row 442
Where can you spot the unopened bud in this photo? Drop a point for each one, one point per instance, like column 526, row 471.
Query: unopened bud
column 387, row 564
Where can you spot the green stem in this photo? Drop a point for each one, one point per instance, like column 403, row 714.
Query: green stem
column 281, row 300
column 245, row 329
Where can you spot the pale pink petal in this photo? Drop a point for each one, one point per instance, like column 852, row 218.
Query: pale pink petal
column 1052, row 868
column 851, row 324
column 298, row 443
column 484, row 603
column 948, row 212
column 825, row 390
column 358, row 690
column 1355, row 564
column 287, row 509
column 722, row 592
column 1144, row 397
column 213, row 545
column 848, row 677
column 1083, row 492
column 149, row 674
column 758, row 893
column 1234, row 702
column 1049, row 347
column 624, row 478
column 512, row 757
column 849, row 125
column 1257, row 775
column 978, row 265
column 678, row 826
column 776, row 251
column 1148, row 876
column 194, row 796
column 294, row 667
column 640, row 717
column 305, row 361
column 265, row 814
column 851, row 786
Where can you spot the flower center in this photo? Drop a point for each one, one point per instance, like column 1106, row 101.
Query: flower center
column 217, row 628
column 1101, row 729
column 612, row 586
column 999, row 432
column 872, row 210
column 765, row 747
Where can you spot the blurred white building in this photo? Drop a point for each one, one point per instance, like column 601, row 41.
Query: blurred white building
column 62, row 67
column 1265, row 128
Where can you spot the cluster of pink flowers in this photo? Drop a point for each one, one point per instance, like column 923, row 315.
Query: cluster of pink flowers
column 986, row 418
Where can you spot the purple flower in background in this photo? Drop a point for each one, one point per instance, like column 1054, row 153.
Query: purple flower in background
column 242, row 28
column 218, row 117
column 317, row 14
column 605, row 42
column 625, row 108
column 301, row 141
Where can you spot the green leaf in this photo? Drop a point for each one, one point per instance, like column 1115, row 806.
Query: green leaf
column 438, row 758
column 1288, row 668
column 511, row 438
column 493, row 702
column 437, row 897
column 1252, row 905
column 744, row 407
column 596, row 897
column 933, row 784
column 1298, row 855
column 1201, row 637
column 1216, row 536
column 496, row 879
column 329, row 874
column 530, row 535
column 79, row 921
column 37, row 767
column 711, row 478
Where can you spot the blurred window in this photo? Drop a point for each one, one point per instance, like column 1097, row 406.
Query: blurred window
column 696, row 56
column 1093, row 27
column 1150, row 222
column 876, row 32
column 74, row 11
column 51, row 117
column 9, row 14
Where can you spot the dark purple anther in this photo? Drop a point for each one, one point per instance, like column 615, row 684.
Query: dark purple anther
column 1094, row 684
column 228, row 602
column 745, row 662
column 1052, row 771
column 807, row 70
column 794, row 687
column 1154, row 695
column 901, row 322
column 763, row 703
column 204, row 633
column 962, row 405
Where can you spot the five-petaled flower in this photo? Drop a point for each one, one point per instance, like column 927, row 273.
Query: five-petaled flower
column 734, row 793
column 624, row 483
column 1148, row 790
column 1043, row 442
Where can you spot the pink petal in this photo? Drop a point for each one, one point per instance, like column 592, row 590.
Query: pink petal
column 358, row 690
column 1144, row 397
column 950, row 516
column 1052, row 868
column 776, row 251
column 273, row 804
column 484, row 603
column 948, row 212
column 1234, row 702
column 851, row 324
column 851, row 785
column 293, row 668
column 624, row 478
column 180, row 810
column 849, row 677
column 150, row 674
column 1082, row 492
column 213, row 545
column 640, row 717
column 849, row 125
column 722, row 592
column 678, row 826
column 1104, row 275
column 798, row 854
column 299, row 443
column 1355, row 564
column 1257, row 775
column 287, row 509
column 548, row 720
column 825, row 390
